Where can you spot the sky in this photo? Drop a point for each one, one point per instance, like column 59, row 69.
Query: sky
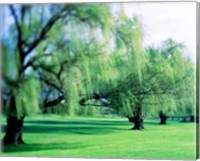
column 162, row 20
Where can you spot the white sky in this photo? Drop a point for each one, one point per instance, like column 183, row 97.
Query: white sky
column 162, row 20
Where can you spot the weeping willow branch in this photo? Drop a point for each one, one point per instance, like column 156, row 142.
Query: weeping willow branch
column 50, row 83
column 172, row 48
column 31, row 46
column 23, row 11
column 66, row 62
column 167, row 90
column 33, row 60
column 45, row 30
column 136, row 92
column 53, row 102
column 47, row 96
column 19, row 34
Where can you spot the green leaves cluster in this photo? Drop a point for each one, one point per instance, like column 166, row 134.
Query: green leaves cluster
column 26, row 97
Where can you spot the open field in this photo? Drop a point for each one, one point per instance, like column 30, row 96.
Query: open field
column 60, row 136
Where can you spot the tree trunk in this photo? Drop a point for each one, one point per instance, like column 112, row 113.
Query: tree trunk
column 138, row 122
column 192, row 119
column 163, row 118
column 14, row 126
column 137, row 119
column 14, row 131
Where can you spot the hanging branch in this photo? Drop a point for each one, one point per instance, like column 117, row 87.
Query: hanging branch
column 53, row 102
column 19, row 34
column 45, row 30
column 172, row 48
column 49, row 82
column 140, row 93
column 33, row 60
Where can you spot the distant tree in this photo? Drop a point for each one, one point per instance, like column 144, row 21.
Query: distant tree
column 182, row 80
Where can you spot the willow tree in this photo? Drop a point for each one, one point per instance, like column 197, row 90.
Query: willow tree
column 123, row 62
column 176, row 86
column 134, row 81
column 184, row 80
column 39, row 56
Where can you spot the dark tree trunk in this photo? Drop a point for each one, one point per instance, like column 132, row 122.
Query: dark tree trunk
column 137, row 119
column 163, row 118
column 14, row 126
column 192, row 119
column 14, row 131
column 138, row 122
column 197, row 119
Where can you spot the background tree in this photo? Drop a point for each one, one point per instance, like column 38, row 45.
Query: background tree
column 179, row 83
column 145, row 81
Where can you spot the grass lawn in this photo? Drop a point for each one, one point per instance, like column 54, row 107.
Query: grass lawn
column 59, row 136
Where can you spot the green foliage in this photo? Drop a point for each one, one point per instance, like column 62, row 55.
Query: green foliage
column 174, row 79
column 127, row 104
column 72, row 97
column 129, row 36
column 94, row 14
column 9, row 64
column 27, row 97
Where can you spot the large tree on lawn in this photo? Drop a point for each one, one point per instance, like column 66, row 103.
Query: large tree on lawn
column 136, row 82
column 40, row 54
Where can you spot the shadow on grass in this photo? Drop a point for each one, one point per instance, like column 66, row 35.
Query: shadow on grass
column 84, row 122
column 87, row 127
column 51, row 127
column 66, row 130
column 87, row 130
column 40, row 147
column 156, row 123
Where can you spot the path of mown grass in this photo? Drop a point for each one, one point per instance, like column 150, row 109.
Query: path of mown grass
column 57, row 136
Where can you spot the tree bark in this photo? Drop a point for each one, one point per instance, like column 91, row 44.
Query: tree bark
column 137, row 119
column 163, row 118
column 138, row 122
column 14, row 130
column 14, row 126
column 192, row 119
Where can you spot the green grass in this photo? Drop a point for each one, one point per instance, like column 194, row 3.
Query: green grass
column 57, row 136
